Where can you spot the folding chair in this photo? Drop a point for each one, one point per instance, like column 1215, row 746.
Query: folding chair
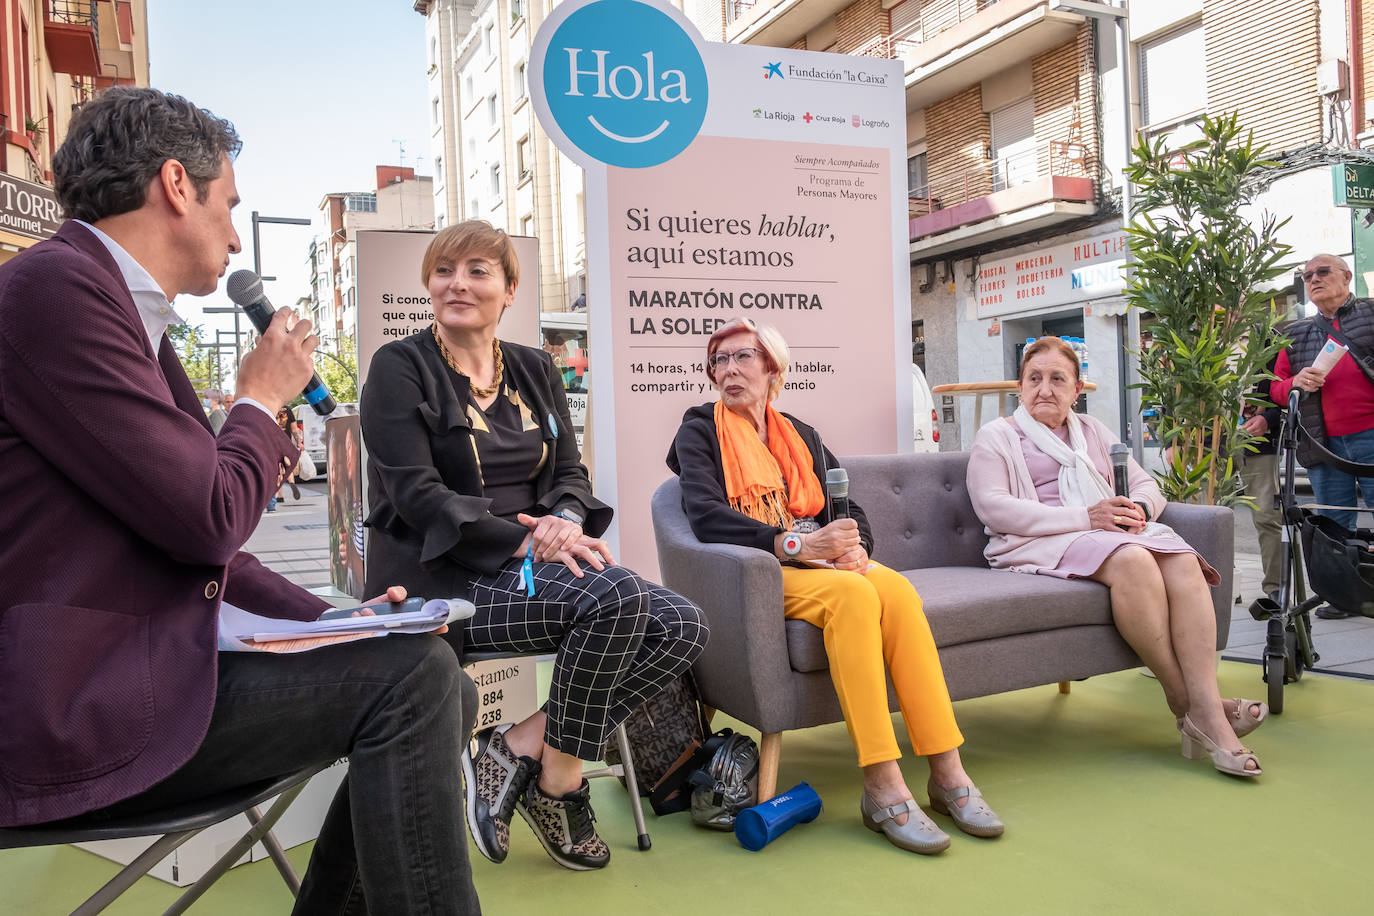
column 176, row 825
column 625, row 769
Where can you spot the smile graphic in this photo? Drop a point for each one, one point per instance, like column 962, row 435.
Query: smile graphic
column 615, row 136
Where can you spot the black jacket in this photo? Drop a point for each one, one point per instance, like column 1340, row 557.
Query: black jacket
column 431, row 530
column 695, row 458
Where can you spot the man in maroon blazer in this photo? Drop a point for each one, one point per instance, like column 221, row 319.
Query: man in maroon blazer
column 123, row 518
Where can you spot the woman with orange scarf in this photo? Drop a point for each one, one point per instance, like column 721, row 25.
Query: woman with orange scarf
column 752, row 476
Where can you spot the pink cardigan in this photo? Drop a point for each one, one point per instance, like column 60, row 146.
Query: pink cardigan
column 1026, row 535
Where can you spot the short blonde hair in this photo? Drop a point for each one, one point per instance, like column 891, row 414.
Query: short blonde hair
column 1051, row 344
column 771, row 342
column 471, row 237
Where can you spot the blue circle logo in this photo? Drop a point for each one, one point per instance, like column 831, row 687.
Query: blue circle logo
column 625, row 83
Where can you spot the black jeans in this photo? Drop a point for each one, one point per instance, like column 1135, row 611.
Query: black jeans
column 401, row 710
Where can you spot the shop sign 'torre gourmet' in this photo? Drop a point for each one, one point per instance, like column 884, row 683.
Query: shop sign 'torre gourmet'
column 28, row 209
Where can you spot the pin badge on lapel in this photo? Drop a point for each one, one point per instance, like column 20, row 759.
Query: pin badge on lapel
column 553, row 425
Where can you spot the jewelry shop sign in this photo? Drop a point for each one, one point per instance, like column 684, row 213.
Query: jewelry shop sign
column 28, row 209
column 1088, row 268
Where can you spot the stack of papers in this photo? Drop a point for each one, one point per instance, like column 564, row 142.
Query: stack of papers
column 240, row 631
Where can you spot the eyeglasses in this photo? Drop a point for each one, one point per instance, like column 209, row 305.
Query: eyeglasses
column 1323, row 271
column 743, row 357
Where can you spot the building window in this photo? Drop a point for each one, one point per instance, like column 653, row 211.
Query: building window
column 496, row 180
column 518, row 80
column 473, row 211
column 491, row 109
column 434, row 110
column 361, row 203
column 489, row 40
column 467, row 89
column 917, row 177
column 1173, row 76
column 522, row 157
column 527, row 224
column 517, row 10
column 1013, row 145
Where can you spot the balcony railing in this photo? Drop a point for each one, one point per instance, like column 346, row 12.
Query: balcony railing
column 734, row 9
column 1067, row 156
column 935, row 18
column 74, row 12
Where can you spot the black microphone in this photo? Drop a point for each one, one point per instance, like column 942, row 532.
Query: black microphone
column 245, row 290
column 837, row 488
column 1121, row 484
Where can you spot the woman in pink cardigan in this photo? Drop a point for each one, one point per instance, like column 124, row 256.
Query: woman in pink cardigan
column 1039, row 481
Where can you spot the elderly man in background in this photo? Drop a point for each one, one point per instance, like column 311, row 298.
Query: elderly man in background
column 1339, row 402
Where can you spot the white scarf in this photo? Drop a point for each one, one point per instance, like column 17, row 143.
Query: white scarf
column 1080, row 484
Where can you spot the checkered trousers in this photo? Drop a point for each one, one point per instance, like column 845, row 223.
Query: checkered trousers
column 617, row 641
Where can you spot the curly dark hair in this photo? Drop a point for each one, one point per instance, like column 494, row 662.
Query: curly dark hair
column 119, row 140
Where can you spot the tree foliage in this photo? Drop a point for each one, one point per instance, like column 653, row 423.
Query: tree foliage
column 1197, row 263
column 199, row 363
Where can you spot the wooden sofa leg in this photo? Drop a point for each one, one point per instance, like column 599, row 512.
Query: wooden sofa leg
column 769, row 752
column 1063, row 686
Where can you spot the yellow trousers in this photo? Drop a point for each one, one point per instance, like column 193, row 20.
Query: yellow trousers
column 870, row 621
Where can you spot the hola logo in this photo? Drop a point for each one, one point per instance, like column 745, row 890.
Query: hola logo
column 623, row 82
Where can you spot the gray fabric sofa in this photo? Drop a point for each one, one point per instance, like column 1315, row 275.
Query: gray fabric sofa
column 996, row 630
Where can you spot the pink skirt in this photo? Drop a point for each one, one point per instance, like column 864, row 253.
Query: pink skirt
column 1090, row 550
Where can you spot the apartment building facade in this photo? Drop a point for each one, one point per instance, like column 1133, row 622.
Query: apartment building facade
column 492, row 160
column 400, row 200
column 54, row 54
column 1019, row 114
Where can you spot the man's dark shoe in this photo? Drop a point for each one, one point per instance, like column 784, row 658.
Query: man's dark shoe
column 1331, row 612
column 496, row 777
column 566, row 827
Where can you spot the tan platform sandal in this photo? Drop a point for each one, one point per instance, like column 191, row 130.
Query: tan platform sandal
column 1196, row 745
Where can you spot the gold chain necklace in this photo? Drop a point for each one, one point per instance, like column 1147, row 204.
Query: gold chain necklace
column 477, row 391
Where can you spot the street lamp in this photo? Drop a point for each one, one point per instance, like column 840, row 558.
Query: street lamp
column 257, row 269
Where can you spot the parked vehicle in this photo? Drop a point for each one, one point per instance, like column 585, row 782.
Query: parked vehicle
column 925, row 424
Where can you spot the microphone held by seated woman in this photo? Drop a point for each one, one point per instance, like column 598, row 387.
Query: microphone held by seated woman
column 752, row 476
column 478, row 490
column 1040, row 482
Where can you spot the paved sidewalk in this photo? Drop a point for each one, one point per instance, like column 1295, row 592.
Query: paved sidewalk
column 294, row 541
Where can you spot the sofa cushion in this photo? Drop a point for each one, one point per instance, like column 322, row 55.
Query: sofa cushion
column 967, row 605
column 919, row 509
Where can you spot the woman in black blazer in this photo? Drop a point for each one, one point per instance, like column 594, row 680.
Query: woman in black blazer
column 478, row 490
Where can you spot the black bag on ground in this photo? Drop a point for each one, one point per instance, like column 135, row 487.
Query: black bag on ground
column 1340, row 566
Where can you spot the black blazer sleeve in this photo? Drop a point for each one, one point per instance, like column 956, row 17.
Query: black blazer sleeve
column 703, row 491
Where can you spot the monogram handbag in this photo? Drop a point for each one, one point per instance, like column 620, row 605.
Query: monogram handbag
column 662, row 733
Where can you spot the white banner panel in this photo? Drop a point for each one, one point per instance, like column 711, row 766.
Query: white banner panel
column 723, row 182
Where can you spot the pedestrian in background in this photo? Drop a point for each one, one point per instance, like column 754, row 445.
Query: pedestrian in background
column 215, row 398
column 1338, row 407
column 1259, row 475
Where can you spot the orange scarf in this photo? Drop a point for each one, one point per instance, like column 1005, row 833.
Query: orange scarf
column 772, row 484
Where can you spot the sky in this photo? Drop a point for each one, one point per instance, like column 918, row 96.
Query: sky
column 318, row 92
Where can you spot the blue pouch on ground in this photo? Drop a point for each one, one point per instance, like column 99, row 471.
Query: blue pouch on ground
column 760, row 825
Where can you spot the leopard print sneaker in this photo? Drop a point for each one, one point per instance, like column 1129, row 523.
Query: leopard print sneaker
column 496, row 778
column 566, row 827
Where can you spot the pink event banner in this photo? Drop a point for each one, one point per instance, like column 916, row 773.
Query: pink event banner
column 789, row 234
